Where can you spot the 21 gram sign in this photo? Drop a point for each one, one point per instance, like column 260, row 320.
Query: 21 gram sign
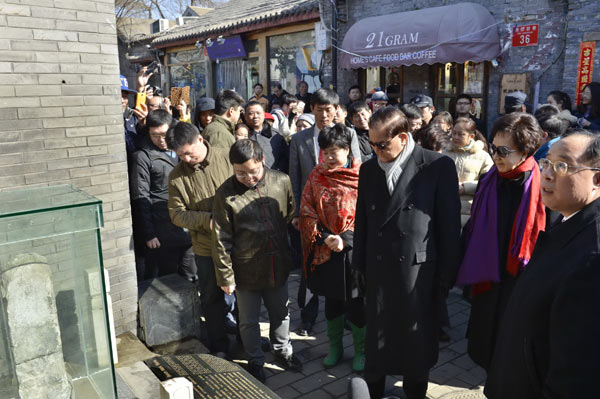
column 526, row 35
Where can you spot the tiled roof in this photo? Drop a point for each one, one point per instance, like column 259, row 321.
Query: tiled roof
column 234, row 14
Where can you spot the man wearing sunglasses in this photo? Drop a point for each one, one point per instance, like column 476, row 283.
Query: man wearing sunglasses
column 547, row 344
column 406, row 248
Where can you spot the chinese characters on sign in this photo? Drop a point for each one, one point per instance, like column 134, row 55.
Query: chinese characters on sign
column 585, row 67
column 526, row 35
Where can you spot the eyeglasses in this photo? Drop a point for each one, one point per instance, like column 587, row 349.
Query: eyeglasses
column 248, row 175
column 463, row 103
column 561, row 168
column 382, row 145
column 502, row 151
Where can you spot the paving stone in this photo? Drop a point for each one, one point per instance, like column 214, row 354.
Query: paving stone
column 287, row 392
column 313, row 382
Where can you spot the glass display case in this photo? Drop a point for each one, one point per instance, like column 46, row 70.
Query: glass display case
column 54, row 331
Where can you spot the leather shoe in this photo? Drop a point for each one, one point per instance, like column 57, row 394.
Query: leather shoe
column 291, row 363
column 257, row 372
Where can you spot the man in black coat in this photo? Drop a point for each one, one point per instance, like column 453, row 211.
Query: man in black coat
column 406, row 246
column 548, row 342
column 168, row 247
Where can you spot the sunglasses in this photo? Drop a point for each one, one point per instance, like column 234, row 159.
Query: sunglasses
column 382, row 145
column 502, row 151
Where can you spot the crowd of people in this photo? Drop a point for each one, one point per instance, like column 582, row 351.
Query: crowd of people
column 384, row 207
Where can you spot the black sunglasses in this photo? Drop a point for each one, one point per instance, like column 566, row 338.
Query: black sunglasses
column 382, row 145
column 502, row 151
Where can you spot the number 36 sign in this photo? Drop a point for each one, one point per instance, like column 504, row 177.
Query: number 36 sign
column 526, row 35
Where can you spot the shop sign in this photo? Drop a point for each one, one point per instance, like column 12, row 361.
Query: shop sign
column 526, row 35
column 585, row 67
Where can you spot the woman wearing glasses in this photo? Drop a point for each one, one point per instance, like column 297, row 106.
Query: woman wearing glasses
column 506, row 217
column 327, row 213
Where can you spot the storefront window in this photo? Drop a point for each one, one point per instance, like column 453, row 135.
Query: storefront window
column 294, row 58
column 252, row 75
column 188, row 68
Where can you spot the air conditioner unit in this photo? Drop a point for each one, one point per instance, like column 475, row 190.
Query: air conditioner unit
column 160, row 25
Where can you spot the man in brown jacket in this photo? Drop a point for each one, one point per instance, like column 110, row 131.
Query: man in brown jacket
column 251, row 213
column 192, row 186
column 228, row 107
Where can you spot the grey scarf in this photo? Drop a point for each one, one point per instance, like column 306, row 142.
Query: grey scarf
column 393, row 169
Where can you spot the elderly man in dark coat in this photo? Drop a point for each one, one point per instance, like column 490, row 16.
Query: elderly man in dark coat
column 547, row 346
column 406, row 245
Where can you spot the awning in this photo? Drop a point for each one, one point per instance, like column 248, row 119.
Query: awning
column 229, row 47
column 455, row 33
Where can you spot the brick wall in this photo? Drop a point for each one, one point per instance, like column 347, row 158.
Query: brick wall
column 61, row 122
column 551, row 63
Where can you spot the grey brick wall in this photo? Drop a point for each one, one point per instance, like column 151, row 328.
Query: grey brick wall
column 61, row 122
column 553, row 62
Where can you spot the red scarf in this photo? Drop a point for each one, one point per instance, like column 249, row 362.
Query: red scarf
column 523, row 235
column 329, row 201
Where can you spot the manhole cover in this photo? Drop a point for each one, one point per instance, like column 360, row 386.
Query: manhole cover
column 465, row 394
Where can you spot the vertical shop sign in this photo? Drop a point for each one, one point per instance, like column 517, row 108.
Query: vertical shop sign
column 585, row 67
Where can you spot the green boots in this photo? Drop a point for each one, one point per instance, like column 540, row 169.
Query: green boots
column 358, row 334
column 335, row 333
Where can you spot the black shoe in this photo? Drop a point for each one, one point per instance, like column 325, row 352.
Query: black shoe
column 306, row 329
column 291, row 363
column 444, row 337
column 257, row 372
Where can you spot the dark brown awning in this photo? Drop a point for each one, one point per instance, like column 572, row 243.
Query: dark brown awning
column 455, row 33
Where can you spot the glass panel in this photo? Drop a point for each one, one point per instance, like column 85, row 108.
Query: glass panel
column 373, row 78
column 473, row 80
column 251, row 46
column 415, row 81
column 193, row 75
column 293, row 58
column 230, row 75
column 58, row 249
column 183, row 57
column 443, row 104
column 447, row 79
column 393, row 87
column 252, row 75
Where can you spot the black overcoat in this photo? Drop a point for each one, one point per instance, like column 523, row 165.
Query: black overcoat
column 548, row 342
column 407, row 244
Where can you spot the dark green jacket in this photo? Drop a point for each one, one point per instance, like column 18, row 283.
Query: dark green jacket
column 220, row 132
column 191, row 193
column 250, row 241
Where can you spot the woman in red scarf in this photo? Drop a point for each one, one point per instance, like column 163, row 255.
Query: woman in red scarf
column 506, row 218
column 327, row 226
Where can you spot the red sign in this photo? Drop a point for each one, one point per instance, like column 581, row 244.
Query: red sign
column 526, row 35
column 585, row 67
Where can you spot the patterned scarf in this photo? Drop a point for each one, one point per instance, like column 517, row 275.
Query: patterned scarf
column 480, row 261
column 328, row 202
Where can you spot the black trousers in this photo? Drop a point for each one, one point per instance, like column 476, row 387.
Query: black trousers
column 415, row 387
column 354, row 309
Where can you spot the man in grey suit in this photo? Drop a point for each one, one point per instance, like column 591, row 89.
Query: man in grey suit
column 304, row 156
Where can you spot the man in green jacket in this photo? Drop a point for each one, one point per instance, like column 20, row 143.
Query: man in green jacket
column 251, row 214
column 228, row 107
column 192, row 186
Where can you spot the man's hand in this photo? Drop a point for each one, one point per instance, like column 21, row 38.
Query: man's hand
column 142, row 79
column 335, row 243
column 141, row 113
column 296, row 223
column 228, row 289
column 167, row 105
column 153, row 243
column 182, row 108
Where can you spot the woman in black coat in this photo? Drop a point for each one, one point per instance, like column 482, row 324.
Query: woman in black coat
column 506, row 218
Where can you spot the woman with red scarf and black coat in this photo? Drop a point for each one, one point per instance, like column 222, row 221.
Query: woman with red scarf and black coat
column 327, row 211
column 506, row 218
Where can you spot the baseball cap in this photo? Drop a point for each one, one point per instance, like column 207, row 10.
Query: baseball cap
column 125, row 86
column 422, row 101
column 379, row 96
column 269, row 116
column 205, row 104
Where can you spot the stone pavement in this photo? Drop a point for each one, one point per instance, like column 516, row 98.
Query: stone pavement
column 453, row 375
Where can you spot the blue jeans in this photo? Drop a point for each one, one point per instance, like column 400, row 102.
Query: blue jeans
column 276, row 301
column 214, row 305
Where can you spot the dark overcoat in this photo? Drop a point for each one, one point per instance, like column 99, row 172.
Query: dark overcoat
column 548, row 342
column 407, row 244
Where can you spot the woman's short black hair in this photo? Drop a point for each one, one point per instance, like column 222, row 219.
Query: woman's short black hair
column 337, row 135
column 432, row 138
column 561, row 98
column 523, row 128
column 244, row 150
